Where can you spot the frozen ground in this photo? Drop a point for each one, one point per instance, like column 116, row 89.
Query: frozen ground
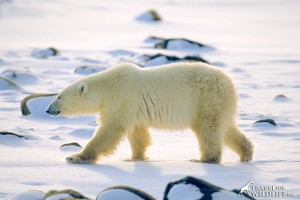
column 257, row 42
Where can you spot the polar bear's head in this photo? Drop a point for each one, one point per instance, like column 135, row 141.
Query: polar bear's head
column 73, row 100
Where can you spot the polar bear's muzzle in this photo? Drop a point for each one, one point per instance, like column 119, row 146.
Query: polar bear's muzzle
column 52, row 110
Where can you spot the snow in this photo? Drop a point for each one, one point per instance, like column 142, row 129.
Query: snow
column 118, row 194
column 256, row 42
column 32, row 195
column 38, row 106
column 59, row 196
column 226, row 195
column 185, row 191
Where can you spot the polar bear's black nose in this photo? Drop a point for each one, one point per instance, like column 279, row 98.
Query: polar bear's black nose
column 52, row 111
column 48, row 110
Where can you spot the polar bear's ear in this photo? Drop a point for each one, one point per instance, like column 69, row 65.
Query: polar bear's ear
column 82, row 89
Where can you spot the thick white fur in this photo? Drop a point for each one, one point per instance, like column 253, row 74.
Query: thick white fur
column 130, row 100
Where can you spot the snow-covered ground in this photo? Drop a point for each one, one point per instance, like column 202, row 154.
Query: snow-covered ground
column 256, row 42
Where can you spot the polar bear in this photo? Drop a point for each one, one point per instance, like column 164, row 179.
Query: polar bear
column 130, row 100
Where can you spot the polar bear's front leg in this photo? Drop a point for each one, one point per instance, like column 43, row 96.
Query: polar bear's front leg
column 104, row 142
column 139, row 140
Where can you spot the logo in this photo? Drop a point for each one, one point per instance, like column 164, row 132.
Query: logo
column 264, row 191
column 245, row 188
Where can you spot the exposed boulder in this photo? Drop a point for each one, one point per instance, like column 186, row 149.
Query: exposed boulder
column 124, row 193
column 64, row 194
column 176, row 43
column 280, row 98
column 270, row 121
column 44, row 53
column 6, row 84
column 12, row 134
column 150, row 15
column 194, row 189
column 161, row 59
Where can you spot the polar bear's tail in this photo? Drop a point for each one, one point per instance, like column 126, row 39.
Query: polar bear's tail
column 239, row 143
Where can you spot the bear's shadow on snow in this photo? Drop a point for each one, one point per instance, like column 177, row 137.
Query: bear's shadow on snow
column 241, row 171
column 138, row 168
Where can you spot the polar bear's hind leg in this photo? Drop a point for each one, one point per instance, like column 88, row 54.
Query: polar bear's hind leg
column 210, row 141
column 239, row 143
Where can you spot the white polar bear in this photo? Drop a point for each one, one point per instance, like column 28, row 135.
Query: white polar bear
column 130, row 100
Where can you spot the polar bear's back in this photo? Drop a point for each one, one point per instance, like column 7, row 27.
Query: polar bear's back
column 172, row 96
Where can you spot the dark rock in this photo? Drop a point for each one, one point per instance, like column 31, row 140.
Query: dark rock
column 45, row 53
column 199, row 189
column 13, row 134
column 20, row 77
column 281, row 98
column 270, row 121
column 150, row 15
column 24, row 108
column 164, row 43
column 159, row 59
column 71, row 144
column 86, row 70
column 195, row 59
column 72, row 193
column 117, row 192
column 54, row 51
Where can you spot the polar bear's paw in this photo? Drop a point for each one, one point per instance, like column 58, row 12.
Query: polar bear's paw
column 76, row 159
column 136, row 159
